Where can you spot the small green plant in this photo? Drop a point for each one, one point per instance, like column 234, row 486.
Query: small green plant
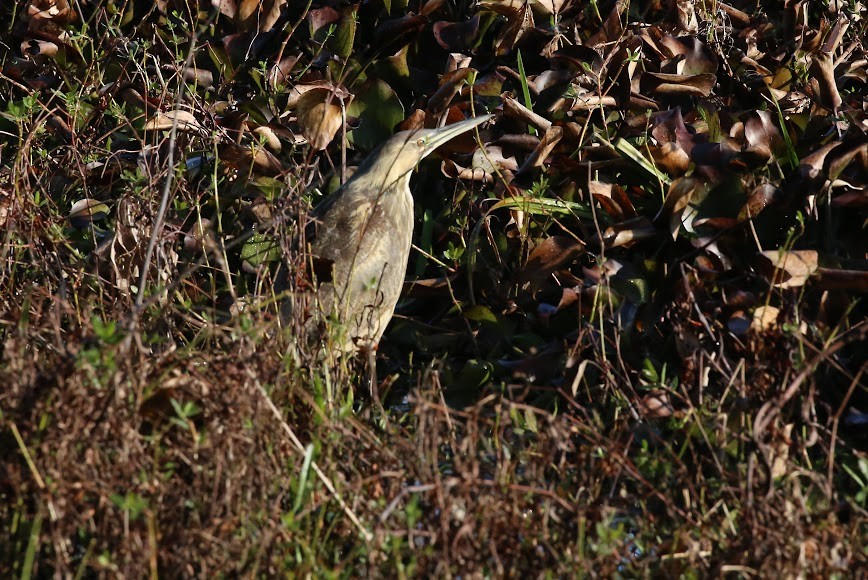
column 184, row 412
column 131, row 503
column 861, row 480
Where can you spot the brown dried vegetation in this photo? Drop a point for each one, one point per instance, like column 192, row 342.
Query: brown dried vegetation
column 633, row 339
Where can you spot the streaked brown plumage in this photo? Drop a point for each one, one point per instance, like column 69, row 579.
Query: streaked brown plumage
column 364, row 231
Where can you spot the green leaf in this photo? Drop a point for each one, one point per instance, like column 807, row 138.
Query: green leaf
column 525, row 91
column 379, row 109
column 303, row 477
column 480, row 313
column 544, row 206
column 633, row 288
column 625, row 148
column 260, row 249
column 475, row 374
column 345, row 34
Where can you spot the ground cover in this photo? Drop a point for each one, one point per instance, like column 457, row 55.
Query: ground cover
column 632, row 340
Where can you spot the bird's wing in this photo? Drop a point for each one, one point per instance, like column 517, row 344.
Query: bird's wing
column 336, row 224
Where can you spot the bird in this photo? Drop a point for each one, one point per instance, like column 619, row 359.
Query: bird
column 360, row 237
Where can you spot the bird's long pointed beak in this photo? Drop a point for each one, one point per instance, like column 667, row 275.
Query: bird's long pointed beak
column 444, row 134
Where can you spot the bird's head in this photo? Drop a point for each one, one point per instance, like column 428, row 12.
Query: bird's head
column 397, row 157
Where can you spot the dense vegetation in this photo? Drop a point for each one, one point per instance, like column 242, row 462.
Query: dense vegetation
column 632, row 340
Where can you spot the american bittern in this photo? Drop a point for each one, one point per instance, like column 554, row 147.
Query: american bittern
column 363, row 233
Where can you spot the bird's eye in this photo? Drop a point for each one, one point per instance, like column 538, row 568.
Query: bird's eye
column 420, row 142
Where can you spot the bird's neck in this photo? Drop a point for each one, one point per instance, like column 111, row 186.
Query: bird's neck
column 378, row 186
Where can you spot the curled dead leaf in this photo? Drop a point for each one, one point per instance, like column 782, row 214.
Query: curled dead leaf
column 258, row 15
column 788, row 269
column 550, row 255
column 491, row 159
column 823, row 71
column 269, row 137
column 32, row 47
column 256, row 158
column 512, row 108
column 656, row 405
column 682, row 191
column 450, row 85
column 548, row 142
column 86, row 211
column 699, row 85
column 519, row 15
column 185, row 121
column 454, row 171
column 671, row 158
column 457, row 36
column 762, row 137
column 759, row 199
column 320, row 115
column 627, row 233
column 764, row 318
column 199, row 76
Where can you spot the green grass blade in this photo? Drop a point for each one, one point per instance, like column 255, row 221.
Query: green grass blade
column 525, row 91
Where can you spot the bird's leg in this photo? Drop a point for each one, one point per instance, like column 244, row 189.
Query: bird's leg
column 372, row 373
column 372, row 380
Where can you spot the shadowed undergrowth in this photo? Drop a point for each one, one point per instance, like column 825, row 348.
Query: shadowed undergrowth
column 632, row 341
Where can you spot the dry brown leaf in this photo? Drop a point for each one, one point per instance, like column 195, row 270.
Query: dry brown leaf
column 603, row 193
column 671, row 158
column 686, row 16
column 454, row 171
column 788, row 269
column 569, row 296
column 397, row 32
column 682, row 191
column 656, row 405
column 519, row 15
column 200, row 77
column 856, row 198
column 764, row 318
column 612, row 28
column 258, row 14
column 691, row 56
column 762, row 137
column 512, row 108
column 823, row 71
column 699, row 85
column 550, row 255
column 627, row 233
column 585, row 100
column 320, row 115
column 759, row 199
column 39, row 48
column 227, row 8
column 186, row 121
column 279, row 74
column 457, row 36
column 491, row 158
column 319, row 20
column 268, row 137
column 450, row 85
column 548, row 142
column 58, row 12
column 295, row 93
column 258, row 160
